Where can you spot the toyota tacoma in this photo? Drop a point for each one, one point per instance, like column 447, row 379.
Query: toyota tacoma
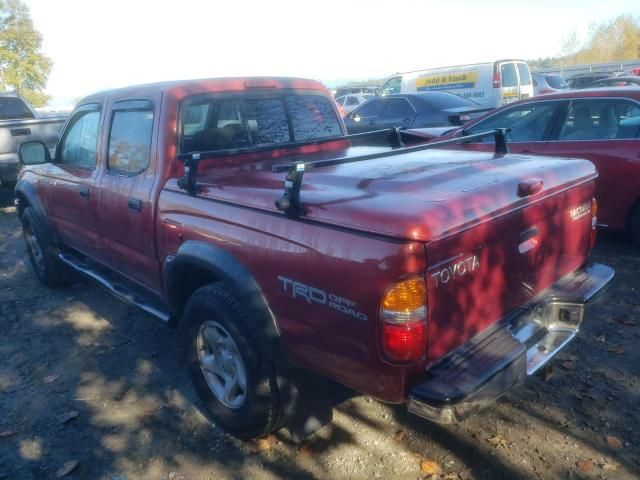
column 238, row 211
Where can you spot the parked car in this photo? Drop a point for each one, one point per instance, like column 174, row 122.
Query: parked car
column 350, row 102
column 412, row 110
column 544, row 83
column 398, row 272
column 19, row 122
column 582, row 80
column 626, row 81
column 490, row 84
column 362, row 90
column 600, row 125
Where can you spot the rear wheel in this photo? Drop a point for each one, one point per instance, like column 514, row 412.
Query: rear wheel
column 42, row 254
column 229, row 365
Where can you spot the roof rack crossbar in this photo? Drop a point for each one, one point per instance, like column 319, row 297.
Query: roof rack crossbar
column 290, row 200
column 499, row 134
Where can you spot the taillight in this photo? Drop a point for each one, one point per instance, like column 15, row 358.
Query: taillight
column 404, row 320
column 545, row 90
column 497, row 81
column 594, row 222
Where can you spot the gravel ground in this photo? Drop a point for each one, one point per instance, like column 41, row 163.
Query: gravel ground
column 93, row 389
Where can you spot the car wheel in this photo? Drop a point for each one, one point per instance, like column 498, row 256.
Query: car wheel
column 634, row 227
column 229, row 364
column 44, row 260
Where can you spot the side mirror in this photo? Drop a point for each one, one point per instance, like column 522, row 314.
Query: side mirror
column 33, row 153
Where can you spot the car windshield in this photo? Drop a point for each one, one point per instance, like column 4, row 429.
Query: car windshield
column 556, row 81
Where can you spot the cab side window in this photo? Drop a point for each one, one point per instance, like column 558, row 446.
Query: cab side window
column 80, row 141
column 393, row 85
column 130, row 137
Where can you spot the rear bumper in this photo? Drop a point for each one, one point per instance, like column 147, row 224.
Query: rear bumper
column 477, row 373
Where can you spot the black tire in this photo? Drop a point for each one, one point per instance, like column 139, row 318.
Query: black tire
column 43, row 255
column 260, row 413
column 634, row 226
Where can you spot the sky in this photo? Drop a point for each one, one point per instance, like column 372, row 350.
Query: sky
column 97, row 45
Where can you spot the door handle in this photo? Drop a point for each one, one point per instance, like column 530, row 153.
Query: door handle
column 134, row 204
column 20, row 132
column 84, row 192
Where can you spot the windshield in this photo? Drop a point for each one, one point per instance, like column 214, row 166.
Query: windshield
column 13, row 107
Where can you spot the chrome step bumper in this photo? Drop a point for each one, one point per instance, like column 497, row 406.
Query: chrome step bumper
column 477, row 373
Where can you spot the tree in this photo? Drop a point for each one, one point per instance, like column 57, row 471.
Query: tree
column 614, row 41
column 569, row 48
column 23, row 68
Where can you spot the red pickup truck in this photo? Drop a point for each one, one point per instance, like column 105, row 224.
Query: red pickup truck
column 239, row 211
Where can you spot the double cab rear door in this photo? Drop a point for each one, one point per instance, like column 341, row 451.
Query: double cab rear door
column 99, row 188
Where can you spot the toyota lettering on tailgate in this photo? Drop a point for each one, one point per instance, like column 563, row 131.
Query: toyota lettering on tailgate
column 456, row 270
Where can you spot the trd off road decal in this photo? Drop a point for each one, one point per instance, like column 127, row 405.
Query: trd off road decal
column 455, row 270
column 315, row 295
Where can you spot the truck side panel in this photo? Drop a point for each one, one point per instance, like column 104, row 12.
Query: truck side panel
column 319, row 282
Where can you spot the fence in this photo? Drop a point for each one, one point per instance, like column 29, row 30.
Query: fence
column 566, row 72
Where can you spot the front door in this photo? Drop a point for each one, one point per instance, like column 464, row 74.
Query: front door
column 125, row 209
column 69, row 185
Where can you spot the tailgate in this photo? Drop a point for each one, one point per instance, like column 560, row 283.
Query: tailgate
column 480, row 274
column 13, row 133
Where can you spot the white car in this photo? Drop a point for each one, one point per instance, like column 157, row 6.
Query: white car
column 351, row 101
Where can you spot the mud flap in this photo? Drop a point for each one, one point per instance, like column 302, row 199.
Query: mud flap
column 306, row 405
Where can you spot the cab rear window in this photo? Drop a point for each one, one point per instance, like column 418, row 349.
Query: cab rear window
column 217, row 123
column 13, row 107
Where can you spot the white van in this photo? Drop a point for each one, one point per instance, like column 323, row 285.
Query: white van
column 490, row 84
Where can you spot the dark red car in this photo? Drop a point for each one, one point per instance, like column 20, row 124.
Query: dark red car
column 601, row 125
